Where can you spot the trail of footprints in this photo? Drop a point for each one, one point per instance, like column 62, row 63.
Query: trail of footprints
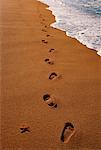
column 68, row 130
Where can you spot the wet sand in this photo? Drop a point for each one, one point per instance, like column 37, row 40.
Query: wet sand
column 26, row 41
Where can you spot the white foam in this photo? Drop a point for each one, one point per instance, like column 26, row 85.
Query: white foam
column 99, row 53
column 77, row 24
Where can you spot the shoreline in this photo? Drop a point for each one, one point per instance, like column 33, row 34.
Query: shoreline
column 28, row 41
column 98, row 52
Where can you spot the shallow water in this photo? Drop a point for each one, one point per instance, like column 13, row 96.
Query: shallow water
column 80, row 19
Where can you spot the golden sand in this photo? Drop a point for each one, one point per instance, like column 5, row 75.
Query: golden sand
column 27, row 40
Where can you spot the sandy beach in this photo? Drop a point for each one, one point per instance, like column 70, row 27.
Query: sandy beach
column 27, row 40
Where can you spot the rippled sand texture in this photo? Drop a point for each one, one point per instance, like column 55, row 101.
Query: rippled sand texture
column 27, row 121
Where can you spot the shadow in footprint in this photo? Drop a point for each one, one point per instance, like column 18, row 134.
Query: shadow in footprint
column 46, row 60
column 51, row 50
column 44, row 41
column 67, row 132
column 47, row 35
column 44, row 30
column 50, row 100
column 49, row 61
column 53, row 75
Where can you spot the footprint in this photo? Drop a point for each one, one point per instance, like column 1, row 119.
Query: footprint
column 47, row 35
column 67, row 132
column 50, row 100
column 44, row 30
column 49, row 62
column 40, row 15
column 52, row 49
column 54, row 75
column 42, row 23
column 46, row 59
column 44, row 41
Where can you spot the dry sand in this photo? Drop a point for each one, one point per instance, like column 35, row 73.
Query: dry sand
column 25, row 81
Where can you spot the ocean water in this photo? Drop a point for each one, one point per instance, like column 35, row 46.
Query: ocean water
column 80, row 19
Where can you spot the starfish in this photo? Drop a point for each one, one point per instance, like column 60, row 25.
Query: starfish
column 24, row 128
